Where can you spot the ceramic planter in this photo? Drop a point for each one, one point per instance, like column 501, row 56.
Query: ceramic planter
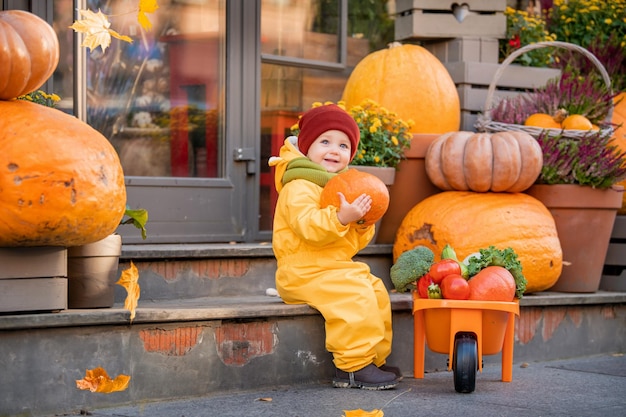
column 92, row 273
column 584, row 219
column 411, row 186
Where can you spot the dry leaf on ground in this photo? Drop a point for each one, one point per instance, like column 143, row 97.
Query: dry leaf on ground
column 97, row 380
column 363, row 413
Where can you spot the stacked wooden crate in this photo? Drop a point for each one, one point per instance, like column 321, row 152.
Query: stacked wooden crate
column 33, row 279
column 465, row 39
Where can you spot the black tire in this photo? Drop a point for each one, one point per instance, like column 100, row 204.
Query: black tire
column 465, row 363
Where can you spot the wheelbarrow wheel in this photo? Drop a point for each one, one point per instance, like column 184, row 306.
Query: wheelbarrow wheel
column 465, row 363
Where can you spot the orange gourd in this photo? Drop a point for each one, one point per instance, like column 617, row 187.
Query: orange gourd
column 352, row 183
column 542, row 120
column 470, row 221
column 29, row 53
column 493, row 283
column 61, row 181
column 410, row 81
column 499, row 162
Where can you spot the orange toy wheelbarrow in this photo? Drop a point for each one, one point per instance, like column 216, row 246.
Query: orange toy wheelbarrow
column 465, row 330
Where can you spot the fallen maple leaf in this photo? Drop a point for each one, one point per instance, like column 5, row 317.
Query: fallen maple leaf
column 363, row 413
column 146, row 6
column 129, row 280
column 96, row 27
column 97, row 380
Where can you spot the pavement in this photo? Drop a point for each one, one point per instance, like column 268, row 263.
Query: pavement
column 588, row 386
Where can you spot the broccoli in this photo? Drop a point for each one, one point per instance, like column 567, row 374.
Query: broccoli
column 410, row 266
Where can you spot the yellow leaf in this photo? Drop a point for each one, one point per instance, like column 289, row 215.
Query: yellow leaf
column 97, row 380
column 129, row 280
column 363, row 413
column 146, row 6
column 96, row 26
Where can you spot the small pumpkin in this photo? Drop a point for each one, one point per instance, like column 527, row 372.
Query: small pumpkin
column 410, row 81
column 470, row 221
column 352, row 183
column 29, row 53
column 498, row 162
column 542, row 120
column 61, row 181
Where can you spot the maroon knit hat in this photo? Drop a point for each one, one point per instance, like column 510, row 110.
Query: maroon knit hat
column 323, row 118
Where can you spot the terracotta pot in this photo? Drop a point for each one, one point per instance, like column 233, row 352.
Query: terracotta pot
column 584, row 219
column 92, row 273
column 411, row 186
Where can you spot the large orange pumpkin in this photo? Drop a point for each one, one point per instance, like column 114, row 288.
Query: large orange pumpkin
column 29, row 53
column 499, row 162
column 61, row 181
column 352, row 183
column 410, row 81
column 470, row 221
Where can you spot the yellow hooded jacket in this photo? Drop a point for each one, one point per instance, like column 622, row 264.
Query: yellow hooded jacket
column 314, row 252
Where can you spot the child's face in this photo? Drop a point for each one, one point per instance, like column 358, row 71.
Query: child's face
column 332, row 150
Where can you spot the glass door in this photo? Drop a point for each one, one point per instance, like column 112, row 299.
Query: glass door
column 166, row 104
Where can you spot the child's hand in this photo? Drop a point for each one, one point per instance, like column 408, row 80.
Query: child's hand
column 352, row 212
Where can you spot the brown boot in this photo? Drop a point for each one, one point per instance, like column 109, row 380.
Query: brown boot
column 393, row 369
column 370, row 378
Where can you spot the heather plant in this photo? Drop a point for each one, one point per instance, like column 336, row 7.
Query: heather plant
column 591, row 160
column 572, row 93
column 575, row 94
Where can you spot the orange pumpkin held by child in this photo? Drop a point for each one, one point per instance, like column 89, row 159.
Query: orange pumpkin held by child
column 352, row 183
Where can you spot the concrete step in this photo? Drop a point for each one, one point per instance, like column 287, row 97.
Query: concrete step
column 232, row 337
column 223, row 344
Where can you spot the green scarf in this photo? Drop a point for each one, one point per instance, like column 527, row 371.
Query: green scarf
column 304, row 168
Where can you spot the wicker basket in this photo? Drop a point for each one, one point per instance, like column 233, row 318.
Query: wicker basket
column 485, row 124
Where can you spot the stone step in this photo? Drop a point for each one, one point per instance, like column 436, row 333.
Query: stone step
column 193, row 347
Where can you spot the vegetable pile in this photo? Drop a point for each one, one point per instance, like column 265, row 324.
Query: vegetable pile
column 488, row 275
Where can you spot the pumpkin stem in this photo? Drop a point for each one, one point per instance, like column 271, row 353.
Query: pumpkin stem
column 560, row 115
column 394, row 44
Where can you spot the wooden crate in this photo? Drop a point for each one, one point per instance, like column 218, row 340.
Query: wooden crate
column 434, row 19
column 33, row 279
column 472, row 80
column 469, row 49
column 614, row 274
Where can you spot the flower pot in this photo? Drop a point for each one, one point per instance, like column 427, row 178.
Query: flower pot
column 92, row 273
column 411, row 185
column 584, row 219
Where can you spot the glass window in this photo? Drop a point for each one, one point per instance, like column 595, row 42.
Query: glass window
column 159, row 99
column 309, row 30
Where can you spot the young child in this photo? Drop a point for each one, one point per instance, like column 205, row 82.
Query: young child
column 314, row 248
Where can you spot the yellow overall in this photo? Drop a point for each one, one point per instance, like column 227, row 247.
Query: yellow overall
column 315, row 267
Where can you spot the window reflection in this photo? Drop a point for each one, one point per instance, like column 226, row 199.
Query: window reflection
column 308, row 29
column 159, row 100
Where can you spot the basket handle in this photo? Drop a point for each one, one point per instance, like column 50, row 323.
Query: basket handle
column 538, row 45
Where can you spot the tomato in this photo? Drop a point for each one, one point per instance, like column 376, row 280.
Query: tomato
column 493, row 283
column 455, row 287
column 422, row 285
column 439, row 270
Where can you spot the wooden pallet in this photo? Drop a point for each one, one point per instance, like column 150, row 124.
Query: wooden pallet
column 614, row 274
column 33, row 279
